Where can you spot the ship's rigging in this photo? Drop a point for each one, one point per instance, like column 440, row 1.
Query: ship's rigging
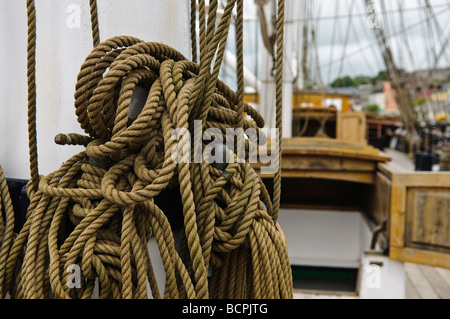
column 359, row 37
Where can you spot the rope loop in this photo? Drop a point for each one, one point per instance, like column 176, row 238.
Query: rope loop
column 90, row 222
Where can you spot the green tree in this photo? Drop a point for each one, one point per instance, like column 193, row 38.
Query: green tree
column 372, row 108
column 381, row 76
column 345, row 81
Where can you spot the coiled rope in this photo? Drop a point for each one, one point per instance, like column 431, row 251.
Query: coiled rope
column 99, row 210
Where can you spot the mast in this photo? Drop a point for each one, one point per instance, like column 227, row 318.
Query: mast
column 401, row 94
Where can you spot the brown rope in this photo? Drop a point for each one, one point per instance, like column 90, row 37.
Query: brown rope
column 6, row 229
column 279, row 107
column 240, row 59
column 193, row 18
column 31, row 81
column 94, row 22
column 99, row 210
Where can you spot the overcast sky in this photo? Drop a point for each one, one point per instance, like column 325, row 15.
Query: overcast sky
column 331, row 19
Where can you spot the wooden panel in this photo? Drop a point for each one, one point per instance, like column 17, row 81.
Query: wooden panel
column 420, row 256
column 351, row 127
column 357, row 177
column 419, row 217
column 380, row 201
column 332, row 147
column 397, row 213
column 325, row 163
column 428, row 217
column 328, row 159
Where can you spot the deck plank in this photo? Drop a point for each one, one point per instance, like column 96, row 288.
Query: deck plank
column 410, row 290
column 436, row 280
column 420, row 282
column 445, row 274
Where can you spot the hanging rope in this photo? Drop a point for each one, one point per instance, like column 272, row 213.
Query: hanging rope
column 279, row 107
column 94, row 22
column 31, row 81
column 99, row 210
column 6, row 229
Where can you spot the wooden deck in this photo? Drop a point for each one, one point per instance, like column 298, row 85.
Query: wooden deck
column 422, row 281
column 426, row 282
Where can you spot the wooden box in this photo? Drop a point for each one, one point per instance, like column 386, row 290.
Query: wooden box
column 416, row 206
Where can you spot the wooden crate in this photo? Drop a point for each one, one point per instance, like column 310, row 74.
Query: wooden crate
column 351, row 127
column 416, row 206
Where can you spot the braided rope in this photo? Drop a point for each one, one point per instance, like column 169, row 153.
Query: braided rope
column 279, row 107
column 6, row 230
column 94, row 22
column 31, row 82
column 100, row 217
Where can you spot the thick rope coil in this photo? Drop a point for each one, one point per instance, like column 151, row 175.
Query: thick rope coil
column 99, row 210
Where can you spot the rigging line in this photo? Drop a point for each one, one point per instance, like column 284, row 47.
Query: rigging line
column 347, row 34
column 366, row 59
column 390, row 28
column 333, row 36
column 439, row 29
column 424, row 59
column 443, row 49
column 311, row 51
column 405, row 37
column 368, row 35
column 305, row 51
column 432, row 47
column 400, row 94
column 296, row 46
column 371, row 44
column 297, row 27
column 386, row 24
column 418, row 80
column 399, row 47
column 425, row 36
column 364, row 14
column 316, row 51
column 316, row 30
column 264, row 28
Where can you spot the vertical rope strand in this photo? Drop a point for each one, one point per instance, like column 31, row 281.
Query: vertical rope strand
column 194, row 30
column 31, row 81
column 94, row 22
column 6, row 230
column 240, row 60
column 279, row 107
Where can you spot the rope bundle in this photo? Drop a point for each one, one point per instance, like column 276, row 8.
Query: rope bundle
column 99, row 210
column 6, row 226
